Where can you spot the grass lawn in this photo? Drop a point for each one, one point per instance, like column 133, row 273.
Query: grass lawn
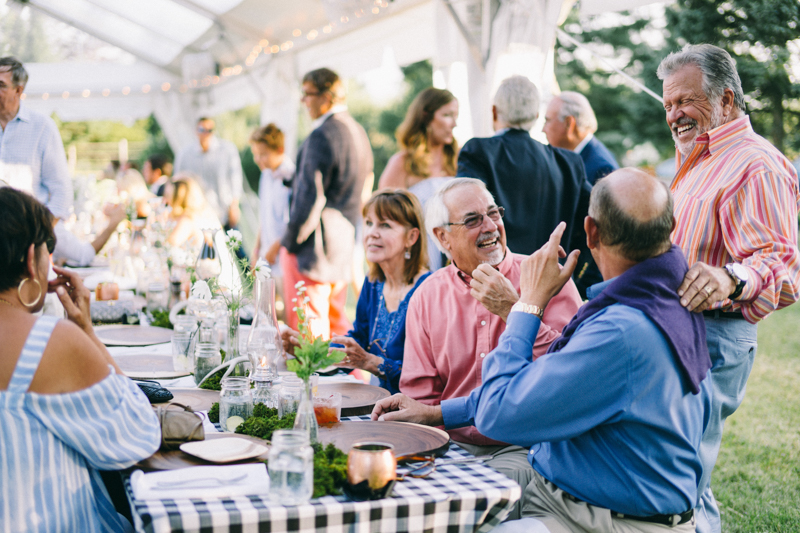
column 757, row 477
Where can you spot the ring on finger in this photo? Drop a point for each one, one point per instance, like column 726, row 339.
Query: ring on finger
column 708, row 290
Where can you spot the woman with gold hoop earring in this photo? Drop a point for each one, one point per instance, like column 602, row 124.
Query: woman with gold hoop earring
column 66, row 409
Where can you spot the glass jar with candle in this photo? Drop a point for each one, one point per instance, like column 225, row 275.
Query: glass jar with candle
column 157, row 296
column 235, row 402
column 291, row 467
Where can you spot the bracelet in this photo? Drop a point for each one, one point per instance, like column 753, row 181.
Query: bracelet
column 528, row 308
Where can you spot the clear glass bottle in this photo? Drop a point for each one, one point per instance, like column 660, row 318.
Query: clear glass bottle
column 306, row 418
column 208, row 265
column 234, row 400
column 291, row 467
column 264, row 346
column 206, row 359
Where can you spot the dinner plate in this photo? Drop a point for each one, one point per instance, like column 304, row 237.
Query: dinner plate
column 197, row 399
column 85, row 272
column 121, row 335
column 124, row 284
column 148, row 366
column 224, row 450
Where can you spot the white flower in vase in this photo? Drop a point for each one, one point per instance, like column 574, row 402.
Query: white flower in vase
column 200, row 290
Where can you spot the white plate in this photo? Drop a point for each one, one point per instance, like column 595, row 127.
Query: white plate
column 101, row 277
column 224, row 450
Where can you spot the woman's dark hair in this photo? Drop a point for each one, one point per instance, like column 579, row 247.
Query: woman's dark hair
column 402, row 207
column 412, row 134
column 23, row 221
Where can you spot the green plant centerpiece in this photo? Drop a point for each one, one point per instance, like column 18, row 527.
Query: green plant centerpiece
column 310, row 356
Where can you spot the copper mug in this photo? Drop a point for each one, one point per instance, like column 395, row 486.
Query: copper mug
column 371, row 470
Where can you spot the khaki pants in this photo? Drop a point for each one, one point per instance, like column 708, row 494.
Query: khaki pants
column 511, row 461
column 548, row 508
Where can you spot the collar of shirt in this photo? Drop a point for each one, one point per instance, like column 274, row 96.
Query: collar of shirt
column 581, row 145
column 23, row 114
column 498, row 133
column 718, row 138
column 503, row 266
column 335, row 109
column 597, row 288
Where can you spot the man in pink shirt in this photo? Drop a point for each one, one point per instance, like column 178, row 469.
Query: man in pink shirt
column 457, row 315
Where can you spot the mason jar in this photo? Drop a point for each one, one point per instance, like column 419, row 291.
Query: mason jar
column 291, row 467
column 206, row 359
column 290, row 395
column 235, row 400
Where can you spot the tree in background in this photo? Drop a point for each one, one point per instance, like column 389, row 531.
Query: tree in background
column 757, row 33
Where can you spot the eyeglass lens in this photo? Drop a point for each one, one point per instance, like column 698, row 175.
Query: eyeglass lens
column 474, row 221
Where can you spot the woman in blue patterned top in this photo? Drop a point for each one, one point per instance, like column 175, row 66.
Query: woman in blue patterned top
column 396, row 251
column 65, row 408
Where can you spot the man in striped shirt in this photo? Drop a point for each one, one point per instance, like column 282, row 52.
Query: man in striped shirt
column 736, row 205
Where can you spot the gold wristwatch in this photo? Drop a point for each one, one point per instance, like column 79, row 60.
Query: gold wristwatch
column 528, row 308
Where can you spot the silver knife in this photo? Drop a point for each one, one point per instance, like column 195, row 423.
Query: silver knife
column 457, row 460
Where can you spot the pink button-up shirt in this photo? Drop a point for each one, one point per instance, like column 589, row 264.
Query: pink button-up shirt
column 448, row 334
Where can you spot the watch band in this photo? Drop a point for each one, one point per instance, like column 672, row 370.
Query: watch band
column 528, row 308
column 740, row 281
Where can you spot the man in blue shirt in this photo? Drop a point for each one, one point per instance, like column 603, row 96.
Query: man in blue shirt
column 613, row 414
column 31, row 152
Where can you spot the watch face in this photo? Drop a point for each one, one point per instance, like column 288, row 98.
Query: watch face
column 739, row 271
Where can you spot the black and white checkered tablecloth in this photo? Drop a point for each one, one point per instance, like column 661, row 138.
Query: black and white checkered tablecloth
column 455, row 498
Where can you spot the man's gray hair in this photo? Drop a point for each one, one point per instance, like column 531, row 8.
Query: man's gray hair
column 437, row 215
column 717, row 66
column 576, row 105
column 517, row 102
column 19, row 76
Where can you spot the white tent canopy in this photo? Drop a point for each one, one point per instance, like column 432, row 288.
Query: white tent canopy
column 203, row 57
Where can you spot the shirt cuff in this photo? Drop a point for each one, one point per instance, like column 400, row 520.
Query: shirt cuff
column 455, row 413
column 523, row 325
column 753, row 286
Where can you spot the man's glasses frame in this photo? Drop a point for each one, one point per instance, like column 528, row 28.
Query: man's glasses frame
column 476, row 220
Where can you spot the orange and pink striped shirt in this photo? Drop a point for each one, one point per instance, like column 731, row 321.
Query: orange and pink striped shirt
column 736, row 201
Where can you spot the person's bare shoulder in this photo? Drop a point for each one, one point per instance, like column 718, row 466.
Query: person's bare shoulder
column 394, row 175
column 71, row 362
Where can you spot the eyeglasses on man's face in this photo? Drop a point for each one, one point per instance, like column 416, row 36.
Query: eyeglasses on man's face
column 307, row 94
column 201, row 129
column 476, row 220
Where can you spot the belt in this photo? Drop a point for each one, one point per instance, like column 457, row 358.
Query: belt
column 716, row 313
column 671, row 520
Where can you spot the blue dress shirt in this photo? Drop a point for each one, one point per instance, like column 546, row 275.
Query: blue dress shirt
column 607, row 419
column 32, row 159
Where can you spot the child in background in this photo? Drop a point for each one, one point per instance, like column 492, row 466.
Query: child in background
column 267, row 145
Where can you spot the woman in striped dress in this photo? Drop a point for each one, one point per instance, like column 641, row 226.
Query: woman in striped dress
column 66, row 410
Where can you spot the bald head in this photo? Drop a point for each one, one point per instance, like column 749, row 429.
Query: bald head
column 633, row 212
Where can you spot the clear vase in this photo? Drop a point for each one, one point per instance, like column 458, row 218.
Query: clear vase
column 306, row 419
column 239, row 369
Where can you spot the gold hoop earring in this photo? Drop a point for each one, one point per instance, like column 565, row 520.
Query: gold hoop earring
column 19, row 292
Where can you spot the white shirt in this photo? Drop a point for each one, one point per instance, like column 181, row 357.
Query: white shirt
column 219, row 171
column 32, row 159
column 581, row 145
column 273, row 211
column 70, row 248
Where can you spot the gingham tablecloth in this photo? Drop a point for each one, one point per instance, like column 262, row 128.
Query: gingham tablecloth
column 455, row 498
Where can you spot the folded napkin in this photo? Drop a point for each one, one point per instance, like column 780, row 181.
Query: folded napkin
column 199, row 482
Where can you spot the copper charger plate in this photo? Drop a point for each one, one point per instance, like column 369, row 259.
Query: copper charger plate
column 120, row 335
column 407, row 439
column 357, row 399
column 148, row 366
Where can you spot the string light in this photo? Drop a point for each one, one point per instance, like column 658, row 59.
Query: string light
column 263, row 46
